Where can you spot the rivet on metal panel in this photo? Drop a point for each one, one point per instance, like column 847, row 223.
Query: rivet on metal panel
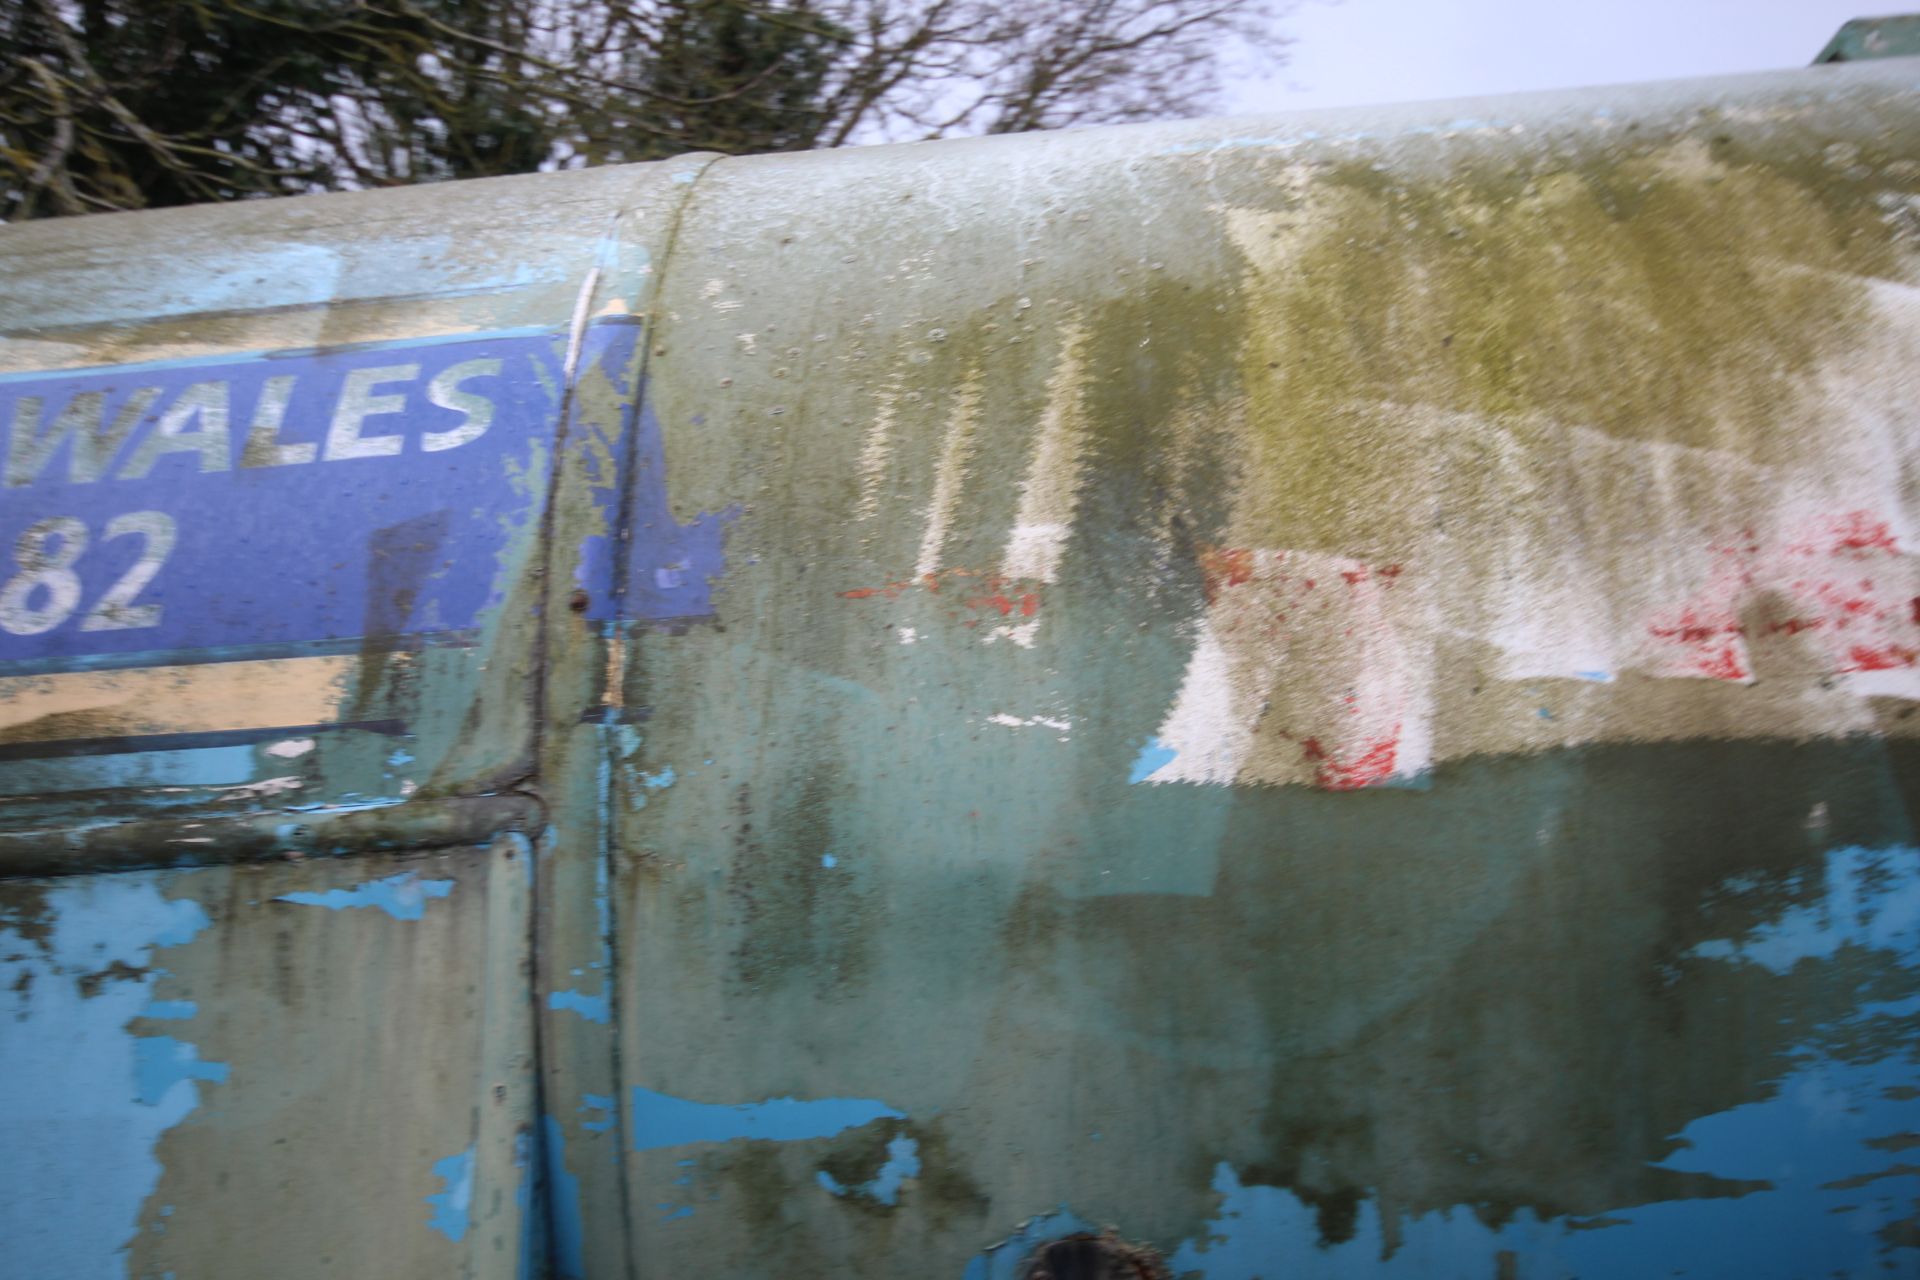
column 1086, row 1256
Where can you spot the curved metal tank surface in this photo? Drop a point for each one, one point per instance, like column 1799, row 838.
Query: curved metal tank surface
column 1333, row 694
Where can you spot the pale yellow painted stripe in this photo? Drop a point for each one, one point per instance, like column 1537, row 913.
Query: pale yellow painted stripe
column 201, row 698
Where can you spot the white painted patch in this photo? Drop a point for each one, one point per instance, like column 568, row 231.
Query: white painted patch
column 1059, row 724
column 877, row 449
column 1017, row 722
column 1020, row 633
column 1208, row 736
column 1051, row 492
column 1299, row 658
column 908, row 635
column 950, row 476
column 291, row 748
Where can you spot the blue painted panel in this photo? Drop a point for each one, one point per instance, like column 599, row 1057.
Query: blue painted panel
column 287, row 499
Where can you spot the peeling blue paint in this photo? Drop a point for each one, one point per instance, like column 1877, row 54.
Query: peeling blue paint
column 564, row 1225
column 162, row 1063
column 451, row 1202
column 828, row 861
column 1151, row 759
column 533, row 1220
column 592, row 1008
column 670, row 567
column 87, row 1100
column 662, row 1120
column 1868, row 898
column 188, row 767
column 602, row 1103
column 1827, row 1194
column 903, row 1162
column 170, row 1009
column 658, row 781
column 404, row 897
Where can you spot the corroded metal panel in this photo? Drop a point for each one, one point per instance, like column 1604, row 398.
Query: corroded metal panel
column 313, row 1069
column 275, row 530
column 1332, row 693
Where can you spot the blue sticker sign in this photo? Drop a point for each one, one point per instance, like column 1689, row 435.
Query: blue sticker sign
column 294, row 500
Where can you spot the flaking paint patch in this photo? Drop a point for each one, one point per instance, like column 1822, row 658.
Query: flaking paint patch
column 403, row 896
column 902, row 1162
column 88, row 1097
column 662, row 1120
column 183, row 771
column 1868, row 898
column 161, row 1063
column 592, row 1008
column 565, row 1225
column 455, row 1198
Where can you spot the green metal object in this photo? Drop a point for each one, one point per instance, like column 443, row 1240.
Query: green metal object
column 1328, row 693
column 1864, row 38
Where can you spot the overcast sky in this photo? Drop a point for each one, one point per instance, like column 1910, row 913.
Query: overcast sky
column 1349, row 52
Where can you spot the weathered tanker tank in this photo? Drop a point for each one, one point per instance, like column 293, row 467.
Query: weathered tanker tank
column 1332, row 694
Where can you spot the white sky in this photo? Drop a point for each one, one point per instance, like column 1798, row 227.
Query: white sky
column 1352, row 52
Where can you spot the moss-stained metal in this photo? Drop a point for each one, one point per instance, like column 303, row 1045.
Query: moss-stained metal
column 1333, row 694
column 1328, row 694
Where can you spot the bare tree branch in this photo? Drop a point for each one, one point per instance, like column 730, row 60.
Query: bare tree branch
column 128, row 103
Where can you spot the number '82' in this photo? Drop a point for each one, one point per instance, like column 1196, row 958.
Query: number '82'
column 46, row 590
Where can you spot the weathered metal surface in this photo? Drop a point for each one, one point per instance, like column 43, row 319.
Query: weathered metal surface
column 1863, row 38
column 260, row 837
column 1333, row 694
column 314, row 444
column 314, row 1069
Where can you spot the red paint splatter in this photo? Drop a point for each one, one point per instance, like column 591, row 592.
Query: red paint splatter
column 1374, row 763
column 1842, row 582
column 1862, row 531
column 1887, row 657
column 1222, row 567
column 1725, row 664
